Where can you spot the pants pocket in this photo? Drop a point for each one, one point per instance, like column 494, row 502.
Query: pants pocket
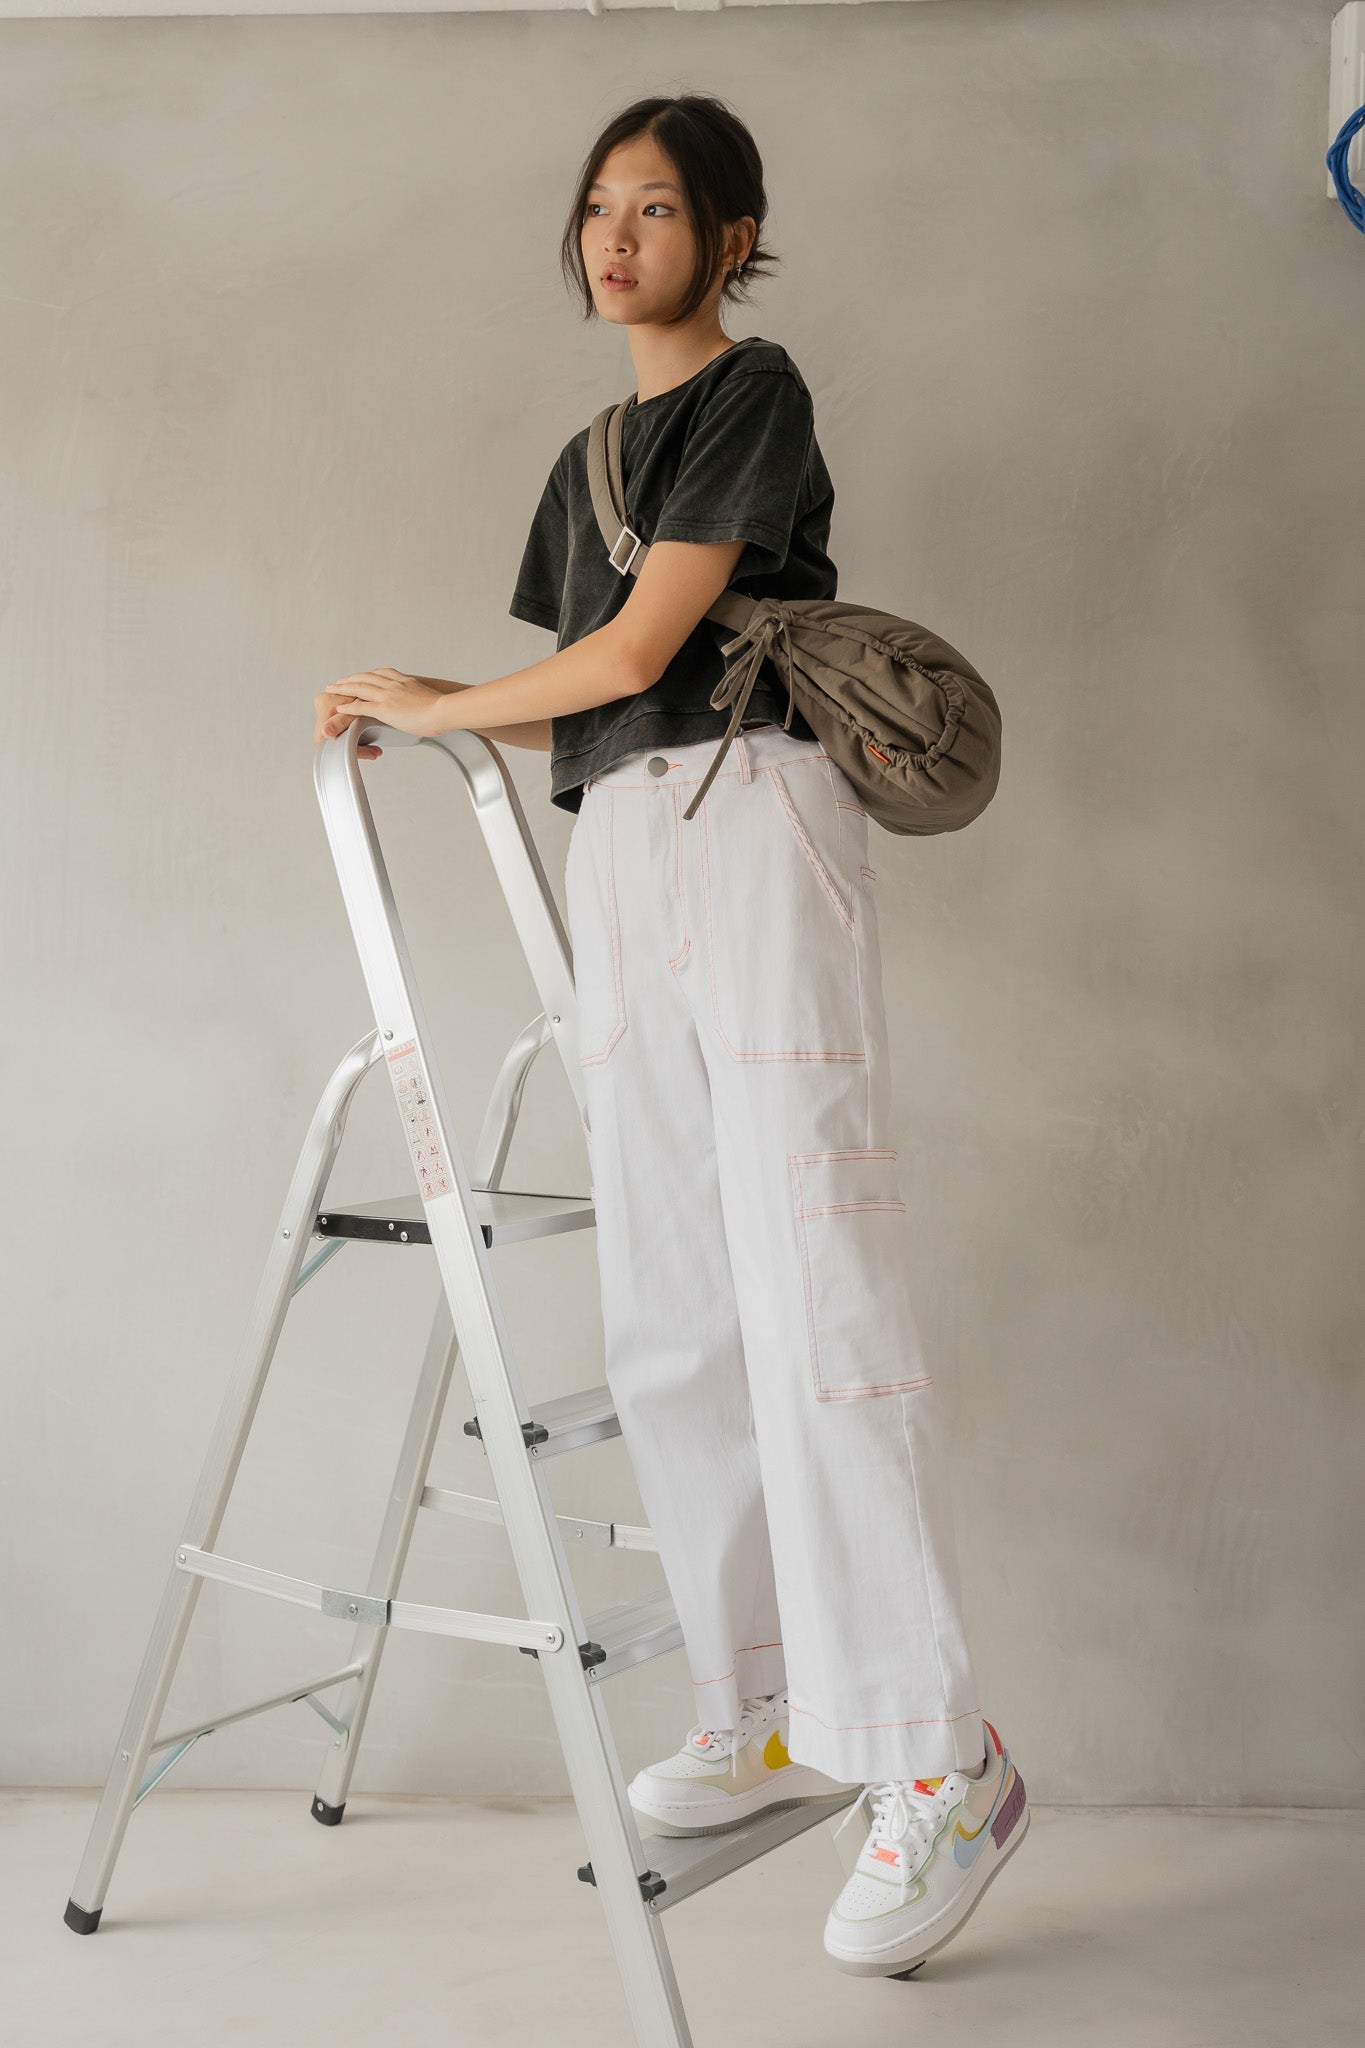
column 781, row 897
column 850, row 1227
column 595, row 931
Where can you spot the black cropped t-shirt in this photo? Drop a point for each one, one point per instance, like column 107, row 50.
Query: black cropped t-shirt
column 728, row 454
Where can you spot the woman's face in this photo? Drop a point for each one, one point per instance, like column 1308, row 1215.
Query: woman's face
column 635, row 222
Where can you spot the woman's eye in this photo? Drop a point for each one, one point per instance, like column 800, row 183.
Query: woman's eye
column 593, row 205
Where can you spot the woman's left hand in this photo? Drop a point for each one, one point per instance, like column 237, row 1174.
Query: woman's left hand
column 384, row 694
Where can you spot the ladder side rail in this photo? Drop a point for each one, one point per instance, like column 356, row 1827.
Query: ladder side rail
column 512, row 849
column 504, row 1103
column 209, row 1503
column 390, row 1556
column 485, row 1343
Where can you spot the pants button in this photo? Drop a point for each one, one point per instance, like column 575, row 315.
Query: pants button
column 657, row 765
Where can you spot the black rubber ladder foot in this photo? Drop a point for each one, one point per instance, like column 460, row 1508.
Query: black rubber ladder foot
column 77, row 1917
column 329, row 1816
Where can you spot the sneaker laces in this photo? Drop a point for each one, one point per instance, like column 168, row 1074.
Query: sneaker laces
column 751, row 1713
column 902, row 1818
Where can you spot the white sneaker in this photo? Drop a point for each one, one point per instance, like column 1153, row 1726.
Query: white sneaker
column 933, row 1847
column 722, row 1776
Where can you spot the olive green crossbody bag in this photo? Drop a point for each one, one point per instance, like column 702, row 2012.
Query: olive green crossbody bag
column 907, row 718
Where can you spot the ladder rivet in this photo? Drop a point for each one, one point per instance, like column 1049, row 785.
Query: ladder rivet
column 180, row 1557
column 284, row 1233
column 352, row 1608
column 555, row 1020
column 124, row 1754
column 388, row 1034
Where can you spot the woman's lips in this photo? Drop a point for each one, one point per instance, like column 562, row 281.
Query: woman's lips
column 619, row 284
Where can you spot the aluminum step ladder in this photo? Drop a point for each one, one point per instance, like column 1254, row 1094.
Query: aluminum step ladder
column 463, row 1219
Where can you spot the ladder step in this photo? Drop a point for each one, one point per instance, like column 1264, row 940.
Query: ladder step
column 632, row 1633
column 628, row 1634
column 679, row 1865
column 607, row 1535
column 566, row 1423
column 506, row 1215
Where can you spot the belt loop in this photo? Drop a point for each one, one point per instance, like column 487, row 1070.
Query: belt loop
column 746, row 773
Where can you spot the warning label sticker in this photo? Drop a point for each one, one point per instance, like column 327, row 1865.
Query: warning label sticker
column 414, row 1106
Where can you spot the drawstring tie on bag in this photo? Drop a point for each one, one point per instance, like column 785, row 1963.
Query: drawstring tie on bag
column 768, row 623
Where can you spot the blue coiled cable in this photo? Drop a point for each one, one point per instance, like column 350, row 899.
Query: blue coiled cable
column 1351, row 196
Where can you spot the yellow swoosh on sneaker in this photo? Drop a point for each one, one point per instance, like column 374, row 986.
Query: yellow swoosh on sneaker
column 775, row 1751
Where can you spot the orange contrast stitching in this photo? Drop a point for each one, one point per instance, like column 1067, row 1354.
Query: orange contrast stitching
column 793, row 1053
column 734, row 1667
column 685, row 947
column 822, row 874
column 795, row 1161
column 925, row 1720
column 608, row 780
column 614, row 923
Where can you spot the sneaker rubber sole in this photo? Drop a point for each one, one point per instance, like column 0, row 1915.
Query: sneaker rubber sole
column 753, row 1805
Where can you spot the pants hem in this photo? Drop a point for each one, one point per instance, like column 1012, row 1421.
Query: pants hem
column 926, row 1749
column 756, row 1671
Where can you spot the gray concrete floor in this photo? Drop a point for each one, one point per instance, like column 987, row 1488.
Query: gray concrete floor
column 234, row 1918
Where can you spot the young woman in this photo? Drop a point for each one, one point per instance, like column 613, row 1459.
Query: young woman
column 760, row 1340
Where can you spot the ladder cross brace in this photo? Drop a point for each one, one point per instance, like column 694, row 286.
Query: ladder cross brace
column 368, row 1610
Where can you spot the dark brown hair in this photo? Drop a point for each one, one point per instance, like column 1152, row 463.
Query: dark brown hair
column 721, row 175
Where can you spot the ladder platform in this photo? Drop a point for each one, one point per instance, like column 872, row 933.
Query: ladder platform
column 679, row 1865
column 505, row 1216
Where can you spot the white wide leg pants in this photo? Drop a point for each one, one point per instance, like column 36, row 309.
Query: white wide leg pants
column 752, row 1245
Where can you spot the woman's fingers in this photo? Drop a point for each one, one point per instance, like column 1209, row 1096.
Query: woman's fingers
column 351, row 697
column 371, row 683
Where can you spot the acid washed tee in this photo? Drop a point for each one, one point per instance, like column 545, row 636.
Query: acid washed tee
column 728, row 454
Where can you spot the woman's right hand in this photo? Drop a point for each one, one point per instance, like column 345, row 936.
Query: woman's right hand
column 330, row 723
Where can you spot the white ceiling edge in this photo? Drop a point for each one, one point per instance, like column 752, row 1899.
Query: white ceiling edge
column 36, row 10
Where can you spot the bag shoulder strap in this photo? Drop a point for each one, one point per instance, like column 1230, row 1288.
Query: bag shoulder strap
column 626, row 550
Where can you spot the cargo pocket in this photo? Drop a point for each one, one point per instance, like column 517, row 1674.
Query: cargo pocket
column 595, row 931
column 850, row 1228
column 780, row 901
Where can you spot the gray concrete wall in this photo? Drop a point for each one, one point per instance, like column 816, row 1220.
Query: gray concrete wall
column 285, row 360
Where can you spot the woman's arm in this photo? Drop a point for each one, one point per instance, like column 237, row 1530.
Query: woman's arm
column 678, row 583
column 532, row 732
column 671, row 594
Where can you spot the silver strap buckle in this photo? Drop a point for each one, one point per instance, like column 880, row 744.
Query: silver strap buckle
column 624, row 567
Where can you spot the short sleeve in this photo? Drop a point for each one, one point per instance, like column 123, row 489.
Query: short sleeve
column 743, row 469
column 539, row 589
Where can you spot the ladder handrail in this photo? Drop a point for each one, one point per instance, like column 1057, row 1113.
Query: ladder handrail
column 544, row 939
